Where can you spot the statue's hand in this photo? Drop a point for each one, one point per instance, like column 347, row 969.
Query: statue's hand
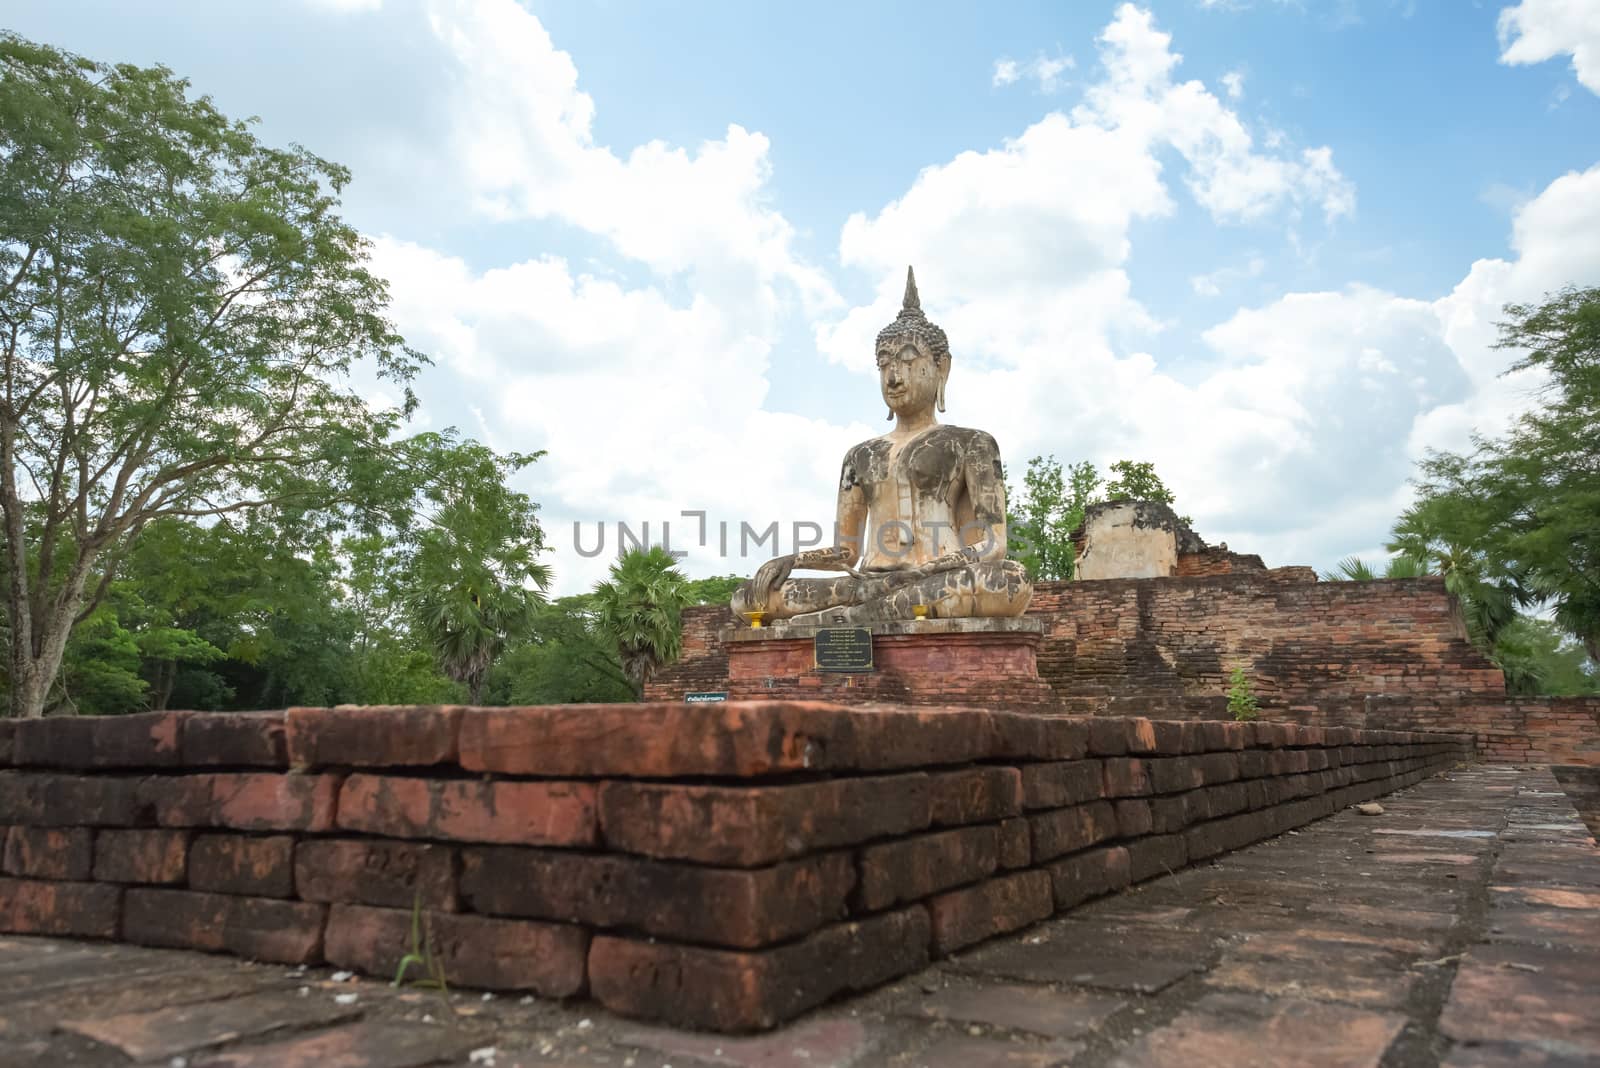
column 769, row 576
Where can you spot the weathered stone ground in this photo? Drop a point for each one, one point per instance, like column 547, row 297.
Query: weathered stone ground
column 1460, row 927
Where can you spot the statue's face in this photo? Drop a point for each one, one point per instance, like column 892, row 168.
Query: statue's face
column 908, row 376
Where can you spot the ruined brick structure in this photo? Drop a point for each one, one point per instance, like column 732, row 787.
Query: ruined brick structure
column 1166, row 646
column 1170, row 644
column 1388, row 654
column 725, row 867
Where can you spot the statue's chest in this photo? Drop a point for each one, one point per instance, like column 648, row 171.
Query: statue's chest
column 923, row 471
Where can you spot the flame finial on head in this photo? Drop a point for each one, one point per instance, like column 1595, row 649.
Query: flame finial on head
column 912, row 302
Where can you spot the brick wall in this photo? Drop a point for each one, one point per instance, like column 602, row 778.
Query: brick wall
column 1507, row 730
column 1216, row 560
column 1167, row 645
column 725, row 867
column 703, row 664
column 1299, row 641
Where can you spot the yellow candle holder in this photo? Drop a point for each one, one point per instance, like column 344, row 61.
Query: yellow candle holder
column 920, row 611
column 755, row 619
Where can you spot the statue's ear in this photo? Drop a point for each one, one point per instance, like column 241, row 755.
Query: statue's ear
column 944, row 376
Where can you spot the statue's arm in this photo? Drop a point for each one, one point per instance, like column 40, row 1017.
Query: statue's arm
column 986, row 489
column 985, row 532
column 850, row 522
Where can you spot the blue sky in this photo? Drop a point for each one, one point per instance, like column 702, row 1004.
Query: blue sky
column 656, row 239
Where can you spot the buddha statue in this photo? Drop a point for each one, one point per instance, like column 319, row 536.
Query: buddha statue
column 921, row 515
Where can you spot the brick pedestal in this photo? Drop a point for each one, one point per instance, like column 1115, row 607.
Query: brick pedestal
column 718, row 866
column 988, row 662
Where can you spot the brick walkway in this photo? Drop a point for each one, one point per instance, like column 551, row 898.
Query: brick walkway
column 1460, row 927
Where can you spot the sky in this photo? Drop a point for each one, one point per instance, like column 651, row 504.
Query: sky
column 1260, row 243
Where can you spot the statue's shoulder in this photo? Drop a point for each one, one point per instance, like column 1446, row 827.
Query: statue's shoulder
column 970, row 440
column 862, row 451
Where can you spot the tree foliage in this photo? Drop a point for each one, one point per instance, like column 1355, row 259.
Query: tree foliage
column 1523, row 509
column 1399, row 566
column 1042, row 518
column 471, row 560
column 180, row 306
column 639, row 610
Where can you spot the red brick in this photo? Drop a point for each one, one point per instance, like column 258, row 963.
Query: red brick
column 1078, row 878
column 143, row 740
column 41, row 853
column 1172, row 775
column 1169, row 737
column 473, row 951
column 258, row 928
column 1109, row 736
column 51, row 799
column 734, row 739
column 373, row 736
column 235, row 739
column 1133, row 818
column 238, row 864
column 73, row 910
column 974, row 795
column 738, row 908
column 912, row 868
column 1156, row 855
column 1016, row 844
column 1126, row 777
column 515, row 813
column 1224, row 767
column 993, row 907
column 1062, row 783
column 749, row 826
column 243, row 801
column 141, row 856
column 1029, row 736
column 366, row 872
column 729, row 991
column 1067, row 830
column 1168, row 814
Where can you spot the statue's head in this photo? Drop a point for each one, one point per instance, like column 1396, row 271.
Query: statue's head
column 913, row 358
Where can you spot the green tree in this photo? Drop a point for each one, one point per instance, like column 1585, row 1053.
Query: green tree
column 180, row 306
column 639, row 610
column 1135, row 480
column 1049, row 509
column 472, row 569
column 1042, row 518
column 1523, row 506
column 568, row 661
column 717, row 589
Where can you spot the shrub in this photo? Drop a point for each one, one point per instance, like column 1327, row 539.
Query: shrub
column 1241, row 699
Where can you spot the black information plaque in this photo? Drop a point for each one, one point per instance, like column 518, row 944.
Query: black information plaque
column 846, row 650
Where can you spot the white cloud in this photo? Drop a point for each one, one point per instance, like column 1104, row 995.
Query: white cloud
column 1212, row 284
column 1233, row 82
column 1228, row 176
column 1045, row 71
column 1294, row 430
column 1537, row 30
column 524, row 136
column 1290, row 431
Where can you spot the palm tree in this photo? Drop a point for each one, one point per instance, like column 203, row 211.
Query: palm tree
column 639, row 610
column 1355, row 569
column 473, row 586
